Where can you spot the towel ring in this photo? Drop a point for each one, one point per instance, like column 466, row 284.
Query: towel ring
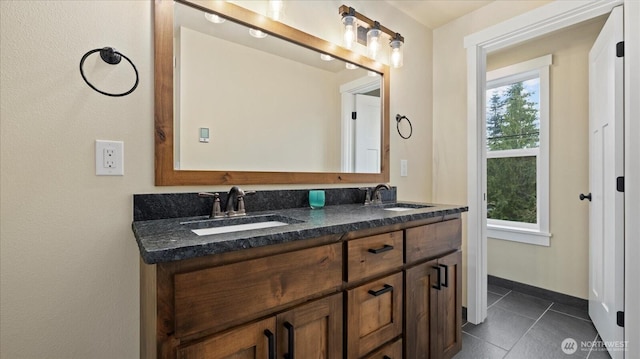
column 112, row 57
column 399, row 118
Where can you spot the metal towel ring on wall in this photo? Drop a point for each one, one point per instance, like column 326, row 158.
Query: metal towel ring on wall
column 112, row 57
column 399, row 118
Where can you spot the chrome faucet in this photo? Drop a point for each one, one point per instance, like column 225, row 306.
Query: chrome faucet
column 376, row 195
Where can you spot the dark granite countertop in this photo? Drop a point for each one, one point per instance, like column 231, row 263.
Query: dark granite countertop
column 166, row 240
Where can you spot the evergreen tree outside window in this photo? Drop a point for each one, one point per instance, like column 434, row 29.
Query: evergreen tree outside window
column 517, row 152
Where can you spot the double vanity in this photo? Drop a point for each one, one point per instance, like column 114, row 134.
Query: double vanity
column 343, row 281
column 277, row 279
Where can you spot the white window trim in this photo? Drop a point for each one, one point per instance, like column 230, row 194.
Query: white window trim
column 537, row 234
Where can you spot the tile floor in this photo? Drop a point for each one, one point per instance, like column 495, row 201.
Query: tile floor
column 521, row 326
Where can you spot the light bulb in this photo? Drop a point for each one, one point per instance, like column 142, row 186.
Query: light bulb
column 325, row 57
column 214, row 18
column 257, row 33
column 373, row 42
column 276, row 9
column 349, row 30
column 350, row 66
column 372, row 74
column 397, row 57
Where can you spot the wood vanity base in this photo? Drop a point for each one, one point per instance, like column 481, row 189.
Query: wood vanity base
column 388, row 292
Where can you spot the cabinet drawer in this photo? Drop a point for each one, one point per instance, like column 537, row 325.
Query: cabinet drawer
column 374, row 314
column 220, row 297
column 374, row 255
column 249, row 341
column 433, row 240
column 390, row 351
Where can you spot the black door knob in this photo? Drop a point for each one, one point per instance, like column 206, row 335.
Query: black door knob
column 582, row 197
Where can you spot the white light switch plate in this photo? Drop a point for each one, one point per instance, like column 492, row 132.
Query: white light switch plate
column 403, row 168
column 109, row 158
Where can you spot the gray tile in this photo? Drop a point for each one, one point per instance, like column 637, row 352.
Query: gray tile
column 502, row 327
column 545, row 339
column 598, row 351
column 497, row 289
column 581, row 313
column 523, row 304
column 492, row 298
column 474, row 348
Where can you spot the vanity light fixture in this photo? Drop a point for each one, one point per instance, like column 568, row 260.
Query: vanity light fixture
column 350, row 66
column 351, row 19
column 275, row 9
column 373, row 40
column 258, row 34
column 214, row 18
column 397, row 56
column 349, row 31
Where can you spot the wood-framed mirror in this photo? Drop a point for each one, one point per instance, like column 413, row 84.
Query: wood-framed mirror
column 174, row 168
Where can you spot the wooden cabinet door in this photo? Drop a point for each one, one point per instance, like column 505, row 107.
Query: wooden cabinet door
column 253, row 341
column 421, row 309
column 374, row 314
column 433, row 308
column 450, row 306
column 313, row 330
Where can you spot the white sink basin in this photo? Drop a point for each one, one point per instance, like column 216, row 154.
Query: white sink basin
column 237, row 228
column 208, row 227
column 401, row 207
column 398, row 209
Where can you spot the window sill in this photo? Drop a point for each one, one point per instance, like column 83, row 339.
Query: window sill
column 515, row 234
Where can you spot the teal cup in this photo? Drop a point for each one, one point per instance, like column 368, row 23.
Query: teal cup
column 316, row 199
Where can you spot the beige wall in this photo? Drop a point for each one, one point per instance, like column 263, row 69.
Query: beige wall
column 450, row 100
column 563, row 266
column 68, row 258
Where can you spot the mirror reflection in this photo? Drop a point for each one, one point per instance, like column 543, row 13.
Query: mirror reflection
column 243, row 103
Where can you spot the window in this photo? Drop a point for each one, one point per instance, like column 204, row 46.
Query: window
column 517, row 152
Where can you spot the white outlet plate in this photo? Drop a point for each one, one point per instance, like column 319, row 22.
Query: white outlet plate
column 109, row 158
column 403, row 168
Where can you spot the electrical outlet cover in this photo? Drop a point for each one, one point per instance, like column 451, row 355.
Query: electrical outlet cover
column 109, row 158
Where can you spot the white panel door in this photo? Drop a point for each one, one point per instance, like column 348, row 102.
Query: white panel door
column 606, row 164
column 368, row 135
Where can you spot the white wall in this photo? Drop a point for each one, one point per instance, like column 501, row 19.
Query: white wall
column 68, row 259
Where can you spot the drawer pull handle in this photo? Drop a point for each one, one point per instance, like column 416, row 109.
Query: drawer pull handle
column 272, row 344
column 446, row 275
column 387, row 288
column 383, row 249
column 290, row 331
column 437, row 285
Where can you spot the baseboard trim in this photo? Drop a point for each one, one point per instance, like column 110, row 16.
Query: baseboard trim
column 538, row 292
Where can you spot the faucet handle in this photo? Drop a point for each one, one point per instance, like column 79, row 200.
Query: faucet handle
column 240, row 210
column 215, row 209
column 367, row 195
